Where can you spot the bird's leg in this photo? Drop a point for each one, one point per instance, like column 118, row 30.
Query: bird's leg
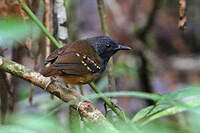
column 116, row 106
column 106, row 108
column 151, row 110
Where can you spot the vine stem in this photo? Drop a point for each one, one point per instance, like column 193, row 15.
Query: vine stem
column 37, row 21
column 119, row 113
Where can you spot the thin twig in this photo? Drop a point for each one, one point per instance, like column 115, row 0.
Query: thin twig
column 102, row 15
column 182, row 13
column 48, row 26
column 3, row 96
column 144, row 74
column 104, row 28
column 16, row 56
column 4, row 88
column 143, row 70
column 36, row 67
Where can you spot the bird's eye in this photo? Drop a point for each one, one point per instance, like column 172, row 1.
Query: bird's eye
column 108, row 45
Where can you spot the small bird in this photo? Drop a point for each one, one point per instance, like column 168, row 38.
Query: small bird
column 81, row 61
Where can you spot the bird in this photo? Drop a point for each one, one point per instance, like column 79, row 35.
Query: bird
column 81, row 61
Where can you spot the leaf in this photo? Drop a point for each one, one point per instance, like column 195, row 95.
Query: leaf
column 173, row 110
column 182, row 99
column 146, row 112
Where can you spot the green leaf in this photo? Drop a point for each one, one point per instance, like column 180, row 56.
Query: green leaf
column 146, row 112
column 173, row 110
column 171, row 103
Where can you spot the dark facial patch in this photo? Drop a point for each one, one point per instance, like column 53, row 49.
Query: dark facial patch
column 104, row 46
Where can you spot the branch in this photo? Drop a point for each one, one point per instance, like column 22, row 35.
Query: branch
column 48, row 27
column 102, row 15
column 86, row 109
column 61, row 20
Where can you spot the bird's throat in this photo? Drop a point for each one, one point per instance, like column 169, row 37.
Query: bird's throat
column 104, row 64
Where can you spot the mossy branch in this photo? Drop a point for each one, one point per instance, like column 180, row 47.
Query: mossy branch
column 86, row 109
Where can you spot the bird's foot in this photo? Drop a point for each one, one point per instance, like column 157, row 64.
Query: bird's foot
column 52, row 79
column 79, row 104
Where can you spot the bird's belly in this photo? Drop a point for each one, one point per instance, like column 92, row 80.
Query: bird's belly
column 78, row 80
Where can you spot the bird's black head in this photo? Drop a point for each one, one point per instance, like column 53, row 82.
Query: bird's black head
column 105, row 46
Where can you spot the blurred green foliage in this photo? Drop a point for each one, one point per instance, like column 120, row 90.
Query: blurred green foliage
column 31, row 123
column 14, row 30
column 148, row 120
column 120, row 69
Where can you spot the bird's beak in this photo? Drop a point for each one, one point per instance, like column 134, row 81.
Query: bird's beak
column 122, row 47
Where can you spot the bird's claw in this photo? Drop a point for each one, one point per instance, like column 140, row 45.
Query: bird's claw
column 52, row 79
column 79, row 104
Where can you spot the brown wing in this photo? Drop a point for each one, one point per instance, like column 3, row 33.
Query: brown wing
column 77, row 58
column 54, row 55
column 70, row 63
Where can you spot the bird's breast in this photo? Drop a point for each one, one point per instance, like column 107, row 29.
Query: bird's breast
column 79, row 80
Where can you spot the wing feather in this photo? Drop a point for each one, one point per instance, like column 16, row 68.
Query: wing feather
column 69, row 59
